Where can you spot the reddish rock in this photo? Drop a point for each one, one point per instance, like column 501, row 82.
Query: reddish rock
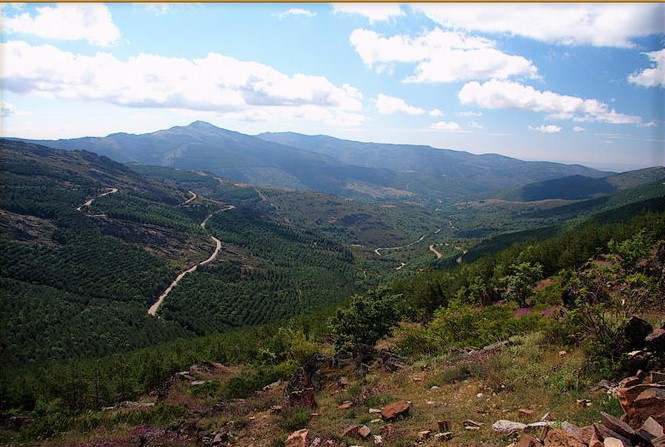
column 612, row 442
column 395, row 410
column 364, row 432
column 527, row 441
column 603, row 432
column 387, row 430
column 652, row 427
column 559, row 438
column 350, row 431
column 470, row 423
column 345, row 405
column 617, row 425
column 297, row 439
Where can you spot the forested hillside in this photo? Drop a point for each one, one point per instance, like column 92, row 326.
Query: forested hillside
column 88, row 245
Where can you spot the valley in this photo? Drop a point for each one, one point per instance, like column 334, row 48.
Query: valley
column 146, row 268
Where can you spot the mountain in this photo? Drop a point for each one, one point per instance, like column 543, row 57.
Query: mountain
column 488, row 169
column 578, row 187
column 368, row 171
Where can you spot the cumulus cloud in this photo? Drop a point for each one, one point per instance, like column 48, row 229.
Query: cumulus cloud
column 550, row 128
column 435, row 112
column 441, row 56
column 654, row 76
column 375, row 12
column 67, row 21
column 389, row 104
column 598, row 24
column 8, row 109
column 578, row 129
column 445, row 125
column 296, row 12
column 496, row 94
column 215, row 83
column 474, row 125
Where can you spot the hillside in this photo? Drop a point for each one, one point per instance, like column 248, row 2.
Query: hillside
column 366, row 171
column 88, row 245
column 503, row 342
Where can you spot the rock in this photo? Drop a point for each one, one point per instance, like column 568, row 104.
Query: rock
column 635, row 331
column 434, row 387
column 350, row 431
column 584, row 402
column 197, row 382
column 603, row 432
column 445, row 436
column 612, row 442
column 425, row 434
column 656, row 341
column 584, row 434
column 297, row 439
column 374, row 411
column 387, row 430
column 523, row 413
column 376, row 421
column 656, row 377
column 364, row 431
column 649, row 403
column 275, row 409
column 652, row 427
column 527, row 441
column 314, row 415
column 594, row 442
column 377, row 440
column 395, row 410
column 617, row 425
column 470, row 423
column 345, row 405
column 443, row 425
column 343, row 381
column 272, row 386
column 507, row 427
column 559, row 438
column 316, row 443
column 219, row 438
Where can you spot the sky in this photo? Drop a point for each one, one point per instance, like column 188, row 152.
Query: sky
column 569, row 82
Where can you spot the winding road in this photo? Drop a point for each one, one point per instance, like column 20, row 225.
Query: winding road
column 218, row 245
column 89, row 202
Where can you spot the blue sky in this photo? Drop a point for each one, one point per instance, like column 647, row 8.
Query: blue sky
column 563, row 82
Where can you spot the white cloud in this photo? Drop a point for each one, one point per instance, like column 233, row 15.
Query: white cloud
column 441, row 56
column 474, row 125
column 445, row 125
column 296, row 12
column 468, row 114
column 578, row 129
column 495, row 94
column 598, row 24
column 7, row 109
column 654, row 76
column 158, row 8
column 389, row 104
column 435, row 112
column 375, row 12
column 67, row 21
column 215, row 83
column 550, row 128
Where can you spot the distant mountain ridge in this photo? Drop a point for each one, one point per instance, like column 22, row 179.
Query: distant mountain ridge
column 369, row 171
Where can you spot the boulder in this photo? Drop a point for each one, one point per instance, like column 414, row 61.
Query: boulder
column 652, row 427
column 635, row 331
column 656, row 341
column 649, row 403
column 395, row 410
column 603, row 432
column 297, row 439
column 527, row 441
column 559, row 438
column 617, row 425
column 612, row 442
column 364, row 432
column 507, row 427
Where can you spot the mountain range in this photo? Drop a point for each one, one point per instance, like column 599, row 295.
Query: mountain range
column 368, row 171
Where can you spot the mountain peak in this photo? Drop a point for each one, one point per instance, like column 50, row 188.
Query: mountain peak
column 202, row 125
